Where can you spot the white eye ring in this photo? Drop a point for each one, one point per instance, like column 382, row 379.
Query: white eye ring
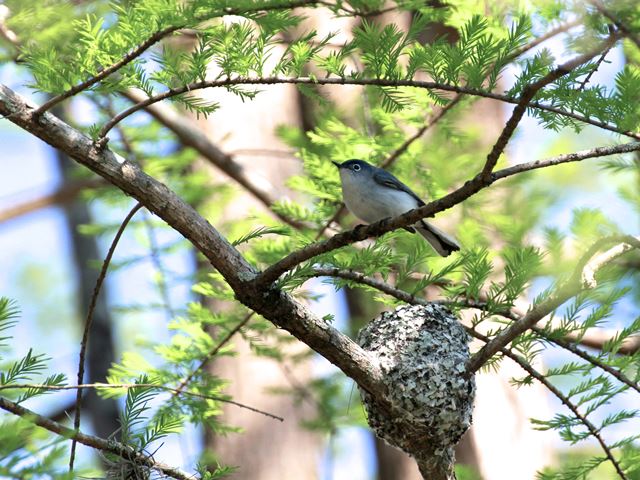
column 356, row 168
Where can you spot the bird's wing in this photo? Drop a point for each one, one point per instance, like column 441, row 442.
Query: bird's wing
column 384, row 178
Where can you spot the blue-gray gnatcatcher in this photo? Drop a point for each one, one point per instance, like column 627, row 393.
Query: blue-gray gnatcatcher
column 371, row 194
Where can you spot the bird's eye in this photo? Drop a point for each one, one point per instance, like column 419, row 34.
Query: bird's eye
column 356, row 168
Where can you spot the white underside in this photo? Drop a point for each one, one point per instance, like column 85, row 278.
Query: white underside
column 371, row 202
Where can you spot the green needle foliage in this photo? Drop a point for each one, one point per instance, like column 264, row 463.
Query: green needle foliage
column 512, row 248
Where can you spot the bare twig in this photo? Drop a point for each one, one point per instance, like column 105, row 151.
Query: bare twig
column 175, row 391
column 89, row 321
column 567, row 158
column 595, row 68
column 124, row 451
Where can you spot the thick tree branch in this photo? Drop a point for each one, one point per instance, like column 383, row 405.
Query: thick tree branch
column 278, row 307
column 563, row 293
column 124, row 451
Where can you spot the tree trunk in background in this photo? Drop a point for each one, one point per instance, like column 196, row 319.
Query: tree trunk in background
column 101, row 351
column 248, row 131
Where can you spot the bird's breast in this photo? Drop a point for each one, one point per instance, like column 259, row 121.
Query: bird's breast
column 371, row 202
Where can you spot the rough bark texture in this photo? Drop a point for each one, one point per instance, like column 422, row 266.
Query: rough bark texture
column 422, row 351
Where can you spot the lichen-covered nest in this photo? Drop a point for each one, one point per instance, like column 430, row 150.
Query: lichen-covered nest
column 422, row 352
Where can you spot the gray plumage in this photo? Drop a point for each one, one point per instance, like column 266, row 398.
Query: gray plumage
column 371, row 194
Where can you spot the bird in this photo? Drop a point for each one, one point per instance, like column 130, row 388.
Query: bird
column 372, row 194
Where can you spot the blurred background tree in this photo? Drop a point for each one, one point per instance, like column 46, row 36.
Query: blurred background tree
column 294, row 85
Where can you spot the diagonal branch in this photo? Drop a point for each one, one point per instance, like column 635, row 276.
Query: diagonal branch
column 593, row 430
column 274, row 305
column 128, row 58
column 471, row 187
column 111, row 446
column 529, row 92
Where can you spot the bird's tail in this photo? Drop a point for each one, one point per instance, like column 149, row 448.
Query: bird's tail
column 440, row 241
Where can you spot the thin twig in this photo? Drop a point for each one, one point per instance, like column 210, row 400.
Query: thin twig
column 569, row 346
column 213, row 353
column 529, row 92
column 595, row 68
column 124, row 451
column 128, row 58
column 622, row 26
column 175, row 391
column 152, row 40
column 350, row 81
column 89, row 321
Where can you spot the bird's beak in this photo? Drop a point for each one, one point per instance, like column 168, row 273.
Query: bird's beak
column 338, row 165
